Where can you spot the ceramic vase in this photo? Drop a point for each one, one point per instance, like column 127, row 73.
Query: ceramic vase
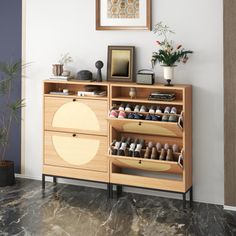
column 168, row 74
column 57, row 69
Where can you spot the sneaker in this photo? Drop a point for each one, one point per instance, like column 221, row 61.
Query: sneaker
column 143, row 109
column 147, row 154
column 166, row 146
column 165, row 118
column 113, row 114
column 148, row 117
column 139, row 116
column 154, row 117
column 132, row 147
column 175, row 148
column 159, row 118
column 167, row 110
column 137, row 108
column 154, row 155
column 163, row 155
column 152, row 110
column 122, row 107
column 170, row 156
column 158, row 147
column 128, row 108
column 158, row 110
column 173, row 110
column 122, row 115
column 173, row 118
column 131, row 116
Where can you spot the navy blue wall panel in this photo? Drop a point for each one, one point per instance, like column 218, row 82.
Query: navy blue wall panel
column 10, row 49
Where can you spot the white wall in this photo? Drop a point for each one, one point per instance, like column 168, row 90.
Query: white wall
column 58, row 26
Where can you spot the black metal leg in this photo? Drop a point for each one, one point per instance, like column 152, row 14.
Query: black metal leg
column 118, row 190
column 43, row 181
column 108, row 190
column 191, row 196
column 111, row 190
column 54, row 180
column 184, row 200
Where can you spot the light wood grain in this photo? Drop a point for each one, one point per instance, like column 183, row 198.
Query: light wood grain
column 76, row 173
column 146, row 127
column 146, row 164
column 79, row 156
column 91, row 120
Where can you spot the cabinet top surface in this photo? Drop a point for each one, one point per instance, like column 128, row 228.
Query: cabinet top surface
column 106, row 83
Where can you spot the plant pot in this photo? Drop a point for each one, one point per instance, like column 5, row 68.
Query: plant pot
column 169, row 74
column 57, row 69
column 7, row 176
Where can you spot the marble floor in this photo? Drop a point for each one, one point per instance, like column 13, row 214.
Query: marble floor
column 73, row 210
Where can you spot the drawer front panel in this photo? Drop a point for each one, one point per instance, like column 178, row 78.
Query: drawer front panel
column 76, row 151
column 80, row 115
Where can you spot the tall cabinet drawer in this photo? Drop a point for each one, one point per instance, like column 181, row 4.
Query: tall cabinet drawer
column 75, row 151
column 75, row 115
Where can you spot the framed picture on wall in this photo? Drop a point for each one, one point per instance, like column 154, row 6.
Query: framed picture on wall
column 120, row 63
column 123, row 14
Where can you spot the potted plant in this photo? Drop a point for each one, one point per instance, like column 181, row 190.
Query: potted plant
column 9, row 113
column 168, row 54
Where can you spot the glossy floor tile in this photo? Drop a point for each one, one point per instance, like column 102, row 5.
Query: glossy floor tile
column 73, row 210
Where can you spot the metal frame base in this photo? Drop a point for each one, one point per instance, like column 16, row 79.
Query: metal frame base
column 119, row 188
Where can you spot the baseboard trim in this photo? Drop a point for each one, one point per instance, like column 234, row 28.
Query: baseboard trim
column 229, row 208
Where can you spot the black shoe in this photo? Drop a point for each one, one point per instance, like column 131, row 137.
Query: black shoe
column 131, row 116
column 148, row 117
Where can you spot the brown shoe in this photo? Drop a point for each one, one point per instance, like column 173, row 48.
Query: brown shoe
column 170, row 156
column 163, row 155
column 154, row 155
column 147, row 153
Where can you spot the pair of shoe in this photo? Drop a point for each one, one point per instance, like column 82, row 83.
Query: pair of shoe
column 153, row 117
column 170, row 118
column 136, row 116
column 120, row 147
column 166, row 155
column 119, row 114
column 169, row 110
column 174, row 147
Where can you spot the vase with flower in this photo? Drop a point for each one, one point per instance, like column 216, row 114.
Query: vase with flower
column 168, row 54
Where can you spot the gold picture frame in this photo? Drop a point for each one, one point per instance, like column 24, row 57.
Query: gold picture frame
column 117, row 23
column 120, row 63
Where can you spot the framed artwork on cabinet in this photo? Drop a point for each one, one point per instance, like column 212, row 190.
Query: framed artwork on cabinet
column 123, row 14
column 120, row 63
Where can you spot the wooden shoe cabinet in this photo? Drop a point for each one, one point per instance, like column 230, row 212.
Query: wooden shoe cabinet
column 75, row 132
column 78, row 133
column 153, row 174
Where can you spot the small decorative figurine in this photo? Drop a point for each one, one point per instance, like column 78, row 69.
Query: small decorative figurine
column 132, row 93
column 99, row 65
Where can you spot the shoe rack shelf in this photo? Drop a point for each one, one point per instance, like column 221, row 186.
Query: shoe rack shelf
column 146, row 127
column 148, row 173
column 146, row 164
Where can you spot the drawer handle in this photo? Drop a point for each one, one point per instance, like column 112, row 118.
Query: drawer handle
column 140, row 123
column 74, row 100
column 74, row 135
column 140, row 162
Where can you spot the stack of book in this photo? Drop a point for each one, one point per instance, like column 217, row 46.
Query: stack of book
column 64, row 78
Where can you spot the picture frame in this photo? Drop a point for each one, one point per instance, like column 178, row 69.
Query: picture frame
column 123, row 15
column 120, row 63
